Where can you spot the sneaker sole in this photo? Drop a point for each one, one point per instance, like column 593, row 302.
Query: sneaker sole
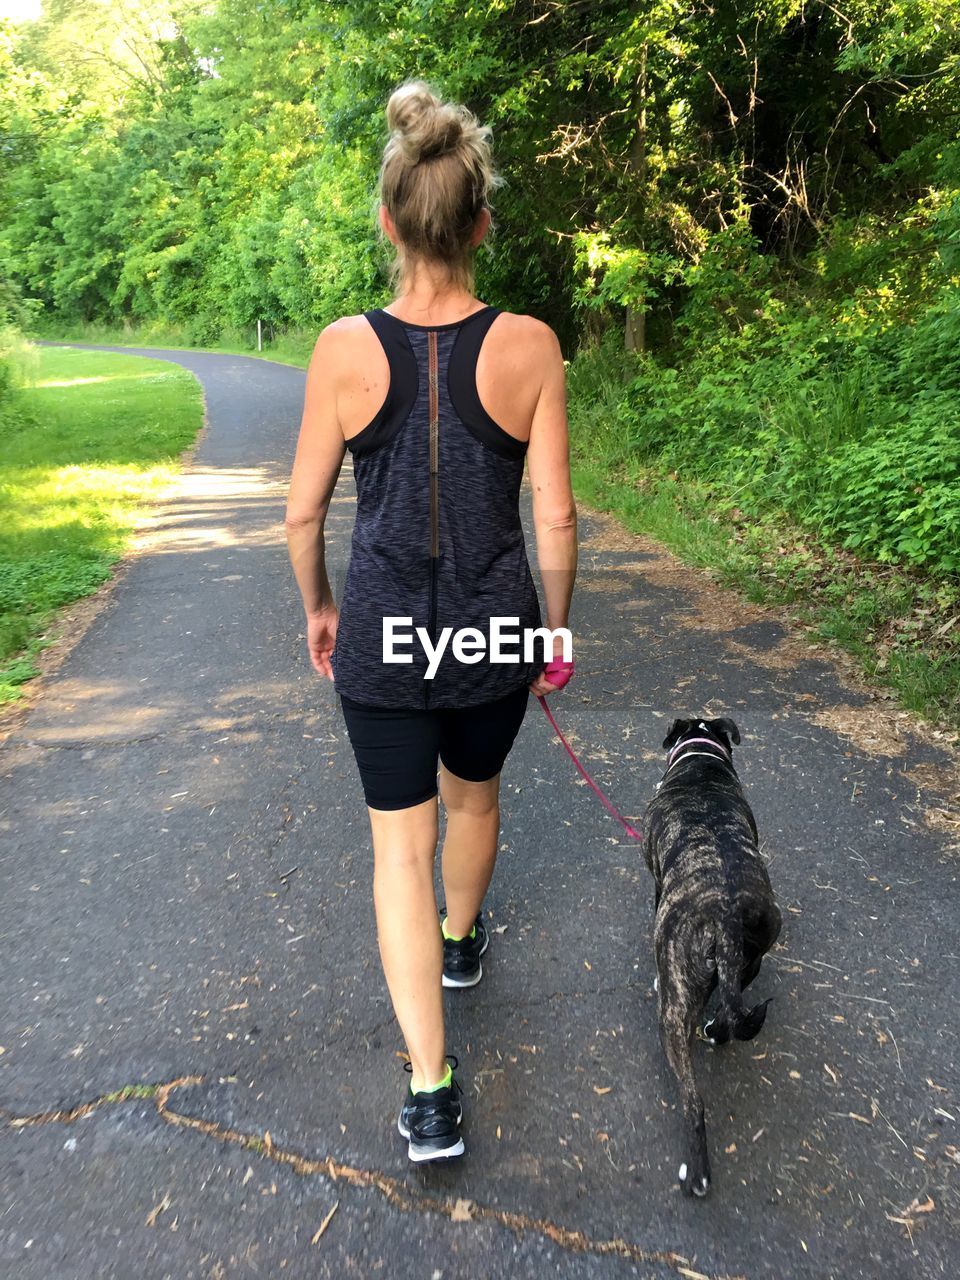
column 448, row 1153
column 467, row 982
column 463, row 982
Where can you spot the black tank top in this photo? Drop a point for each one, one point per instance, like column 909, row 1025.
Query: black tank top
column 437, row 537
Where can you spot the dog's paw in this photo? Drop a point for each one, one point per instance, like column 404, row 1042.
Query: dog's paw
column 693, row 1183
column 715, row 1032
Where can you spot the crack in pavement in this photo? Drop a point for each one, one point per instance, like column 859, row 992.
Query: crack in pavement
column 393, row 1190
column 67, row 1115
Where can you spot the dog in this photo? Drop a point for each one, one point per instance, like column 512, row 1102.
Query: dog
column 716, row 916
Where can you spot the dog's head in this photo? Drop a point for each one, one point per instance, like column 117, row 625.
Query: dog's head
column 722, row 731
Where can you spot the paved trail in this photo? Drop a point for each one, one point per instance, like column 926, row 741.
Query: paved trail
column 185, row 897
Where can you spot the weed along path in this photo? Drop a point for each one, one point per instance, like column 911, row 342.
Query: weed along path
column 199, row 1072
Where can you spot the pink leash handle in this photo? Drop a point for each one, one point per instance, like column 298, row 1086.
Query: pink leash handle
column 631, row 831
column 559, row 673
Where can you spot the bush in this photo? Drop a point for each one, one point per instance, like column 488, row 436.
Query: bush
column 839, row 411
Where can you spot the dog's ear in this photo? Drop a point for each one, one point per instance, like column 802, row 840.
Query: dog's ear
column 677, row 730
column 726, row 728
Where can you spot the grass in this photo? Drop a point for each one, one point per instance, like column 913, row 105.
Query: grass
column 892, row 619
column 292, row 347
column 132, row 1091
column 92, row 437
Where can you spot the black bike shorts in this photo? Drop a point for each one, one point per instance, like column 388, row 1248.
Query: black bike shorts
column 397, row 749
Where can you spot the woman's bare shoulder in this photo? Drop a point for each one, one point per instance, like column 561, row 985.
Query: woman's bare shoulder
column 343, row 339
column 526, row 326
column 344, row 327
column 531, row 342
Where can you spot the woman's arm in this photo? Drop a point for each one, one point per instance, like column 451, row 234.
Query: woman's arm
column 554, row 509
column 316, row 467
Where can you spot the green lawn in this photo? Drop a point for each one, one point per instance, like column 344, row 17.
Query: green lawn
column 98, row 435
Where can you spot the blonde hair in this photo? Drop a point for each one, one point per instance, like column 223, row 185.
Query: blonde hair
column 435, row 177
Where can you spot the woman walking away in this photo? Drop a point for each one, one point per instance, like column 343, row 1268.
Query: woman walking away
column 439, row 399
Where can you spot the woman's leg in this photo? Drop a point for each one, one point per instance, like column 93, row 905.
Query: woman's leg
column 469, row 846
column 408, row 930
column 474, row 743
column 396, row 752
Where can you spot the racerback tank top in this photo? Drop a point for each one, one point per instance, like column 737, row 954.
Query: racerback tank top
column 437, row 537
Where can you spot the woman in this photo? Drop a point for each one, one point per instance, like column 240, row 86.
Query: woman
column 439, row 398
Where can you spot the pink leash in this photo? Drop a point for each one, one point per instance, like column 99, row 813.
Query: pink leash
column 631, row 831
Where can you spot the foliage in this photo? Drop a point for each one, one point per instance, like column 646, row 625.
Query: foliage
column 827, row 394
column 775, row 187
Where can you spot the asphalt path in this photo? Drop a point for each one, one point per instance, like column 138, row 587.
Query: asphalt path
column 185, row 905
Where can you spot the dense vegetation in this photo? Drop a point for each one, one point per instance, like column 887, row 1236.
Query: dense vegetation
column 742, row 219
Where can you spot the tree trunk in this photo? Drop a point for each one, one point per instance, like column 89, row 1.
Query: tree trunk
column 635, row 330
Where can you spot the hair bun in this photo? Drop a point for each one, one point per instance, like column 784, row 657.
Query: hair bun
column 434, row 205
column 422, row 125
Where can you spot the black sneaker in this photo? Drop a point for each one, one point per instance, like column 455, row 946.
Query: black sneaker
column 461, row 960
column 431, row 1121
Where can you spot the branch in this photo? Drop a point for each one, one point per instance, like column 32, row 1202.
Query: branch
column 730, row 111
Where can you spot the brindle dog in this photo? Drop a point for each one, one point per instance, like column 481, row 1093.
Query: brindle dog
column 716, row 916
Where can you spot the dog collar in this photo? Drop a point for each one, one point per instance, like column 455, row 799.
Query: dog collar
column 688, row 742
column 674, row 758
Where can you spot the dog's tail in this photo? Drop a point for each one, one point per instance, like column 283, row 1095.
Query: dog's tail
column 733, row 1018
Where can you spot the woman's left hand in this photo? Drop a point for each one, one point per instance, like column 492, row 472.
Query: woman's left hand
column 554, row 676
column 321, row 638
